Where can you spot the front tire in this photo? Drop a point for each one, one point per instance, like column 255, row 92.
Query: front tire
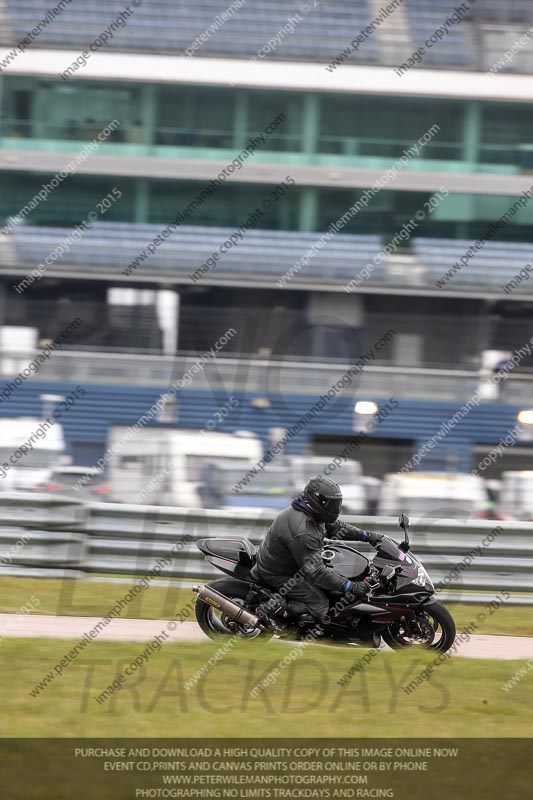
column 434, row 615
column 215, row 623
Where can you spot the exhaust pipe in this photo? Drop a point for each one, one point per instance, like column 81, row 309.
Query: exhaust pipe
column 219, row 601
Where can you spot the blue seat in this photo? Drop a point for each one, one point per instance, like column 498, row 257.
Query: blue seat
column 109, row 246
column 170, row 27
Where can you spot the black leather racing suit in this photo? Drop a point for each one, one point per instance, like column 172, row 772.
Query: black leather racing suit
column 290, row 556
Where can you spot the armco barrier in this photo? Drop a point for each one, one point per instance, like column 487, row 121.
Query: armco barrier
column 33, row 510
column 41, row 535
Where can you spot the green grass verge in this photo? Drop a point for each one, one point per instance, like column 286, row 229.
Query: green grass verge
column 89, row 598
column 462, row 698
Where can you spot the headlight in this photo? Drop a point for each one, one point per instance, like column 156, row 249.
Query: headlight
column 422, row 578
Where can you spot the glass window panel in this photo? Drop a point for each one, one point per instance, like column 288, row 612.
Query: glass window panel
column 366, row 126
column 195, row 117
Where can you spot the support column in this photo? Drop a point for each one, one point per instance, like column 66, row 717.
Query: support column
column 142, row 201
column 308, row 209
column 311, row 124
column 167, row 306
column 342, row 312
column 240, row 119
column 149, row 114
column 472, row 132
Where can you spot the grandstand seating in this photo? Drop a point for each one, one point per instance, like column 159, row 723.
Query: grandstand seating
column 111, row 247
column 512, row 11
column 167, row 26
column 494, row 265
column 425, row 18
column 171, row 27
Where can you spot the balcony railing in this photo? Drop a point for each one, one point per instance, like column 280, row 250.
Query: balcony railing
column 265, row 377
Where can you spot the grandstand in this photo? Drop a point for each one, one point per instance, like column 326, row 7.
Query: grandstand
column 300, row 320
column 322, row 29
column 273, row 253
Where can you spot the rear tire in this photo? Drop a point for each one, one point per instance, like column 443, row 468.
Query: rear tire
column 441, row 621
column 214, row 624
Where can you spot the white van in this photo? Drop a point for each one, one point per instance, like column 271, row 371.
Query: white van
column 45, row 448
column 516, row 494
column 165, row 466
column 348, row 475
column 439, row 495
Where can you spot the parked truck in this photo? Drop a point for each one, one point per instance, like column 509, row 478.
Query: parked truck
column 439, row 495
column 165, row 466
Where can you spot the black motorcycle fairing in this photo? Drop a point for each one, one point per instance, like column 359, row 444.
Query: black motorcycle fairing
column 235, row 556
column 409, row 570
column 411, row 598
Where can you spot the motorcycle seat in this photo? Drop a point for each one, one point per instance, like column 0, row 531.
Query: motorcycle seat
column 239, row 550
column 247, row 554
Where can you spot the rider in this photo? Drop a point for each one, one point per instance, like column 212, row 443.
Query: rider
column 290, row 556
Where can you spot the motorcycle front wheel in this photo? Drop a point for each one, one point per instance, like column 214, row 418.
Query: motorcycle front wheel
column 437, row 630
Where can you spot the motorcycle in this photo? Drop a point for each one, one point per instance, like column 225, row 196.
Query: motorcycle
column 401, row 607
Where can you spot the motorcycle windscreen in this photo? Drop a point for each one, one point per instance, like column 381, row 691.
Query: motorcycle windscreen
column 390, row 550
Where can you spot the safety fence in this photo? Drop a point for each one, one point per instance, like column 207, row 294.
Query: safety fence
column 60, row 537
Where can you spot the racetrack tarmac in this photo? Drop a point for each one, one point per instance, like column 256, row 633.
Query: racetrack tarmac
column 37, row 625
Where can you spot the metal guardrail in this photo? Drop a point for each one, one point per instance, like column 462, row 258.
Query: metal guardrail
column 33, row 510
column 262, row 375
column 61, row 537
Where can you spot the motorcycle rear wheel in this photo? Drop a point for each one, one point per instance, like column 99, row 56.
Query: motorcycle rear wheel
column 440, row 620
column 216, row 624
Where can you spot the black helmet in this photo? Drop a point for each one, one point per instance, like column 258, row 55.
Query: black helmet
column 324, row 496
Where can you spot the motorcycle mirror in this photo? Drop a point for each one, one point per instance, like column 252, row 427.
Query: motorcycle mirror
column 403, row 521
column 404, row 547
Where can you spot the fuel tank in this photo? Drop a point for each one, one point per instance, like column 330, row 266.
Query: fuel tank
column 346, row 561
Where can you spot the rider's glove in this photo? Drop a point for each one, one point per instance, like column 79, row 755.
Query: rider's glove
column 374, row 539
column 359, row 587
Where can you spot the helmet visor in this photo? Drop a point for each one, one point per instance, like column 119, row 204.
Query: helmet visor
column 332, row 505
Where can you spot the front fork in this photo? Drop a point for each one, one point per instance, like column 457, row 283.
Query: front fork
column 418, row 627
